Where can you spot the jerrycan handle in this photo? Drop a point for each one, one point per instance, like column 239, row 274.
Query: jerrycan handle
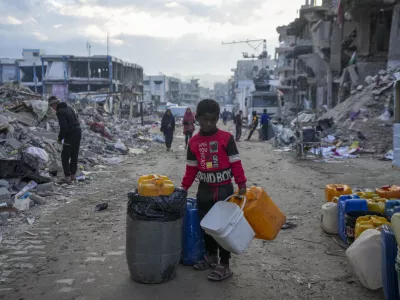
column 239, row 197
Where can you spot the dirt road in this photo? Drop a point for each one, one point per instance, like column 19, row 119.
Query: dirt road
column 77, row 253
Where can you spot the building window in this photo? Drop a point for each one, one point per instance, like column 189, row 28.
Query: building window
column 35, row 54
column 158, row 87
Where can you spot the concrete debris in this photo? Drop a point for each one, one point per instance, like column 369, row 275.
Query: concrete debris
column 367, row 115
column 29, row 151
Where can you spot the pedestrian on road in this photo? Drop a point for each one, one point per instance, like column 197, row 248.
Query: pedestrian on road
column 225, row 116
column 265, row 118
column 168, row 128
column 69, row 136
column 238, row 124
column 212, row 157
column 188, row 125
column 254, row 124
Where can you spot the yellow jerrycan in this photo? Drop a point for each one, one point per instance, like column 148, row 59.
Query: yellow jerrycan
column 336, row 190
column 368, row 222
column 155, row 185
column 263, row 215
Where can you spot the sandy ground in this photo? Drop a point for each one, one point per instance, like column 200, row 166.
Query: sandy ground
column 77, row 253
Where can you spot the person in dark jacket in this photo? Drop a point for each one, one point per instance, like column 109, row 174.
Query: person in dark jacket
column 239, row 124
column 168, row 128
column 69, row 136
column 253, row 125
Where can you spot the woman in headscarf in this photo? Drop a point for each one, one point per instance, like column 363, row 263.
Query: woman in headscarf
column 188, row 125
column 168, row 128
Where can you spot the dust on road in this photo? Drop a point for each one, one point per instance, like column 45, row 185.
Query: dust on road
column 78, row 253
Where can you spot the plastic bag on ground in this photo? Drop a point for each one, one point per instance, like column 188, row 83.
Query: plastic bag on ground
column 158, row 138
column 39, row 107
column 161, row 208
column 385, row 116
column 22, row 204
column 113, row 160
column 120, row 145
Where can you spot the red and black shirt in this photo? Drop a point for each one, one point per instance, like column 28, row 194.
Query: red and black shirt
column 214, row 159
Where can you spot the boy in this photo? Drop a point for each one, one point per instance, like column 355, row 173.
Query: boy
column 213, row 157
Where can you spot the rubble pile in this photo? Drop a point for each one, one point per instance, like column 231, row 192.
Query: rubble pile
column 30, row 154
column 366, row 115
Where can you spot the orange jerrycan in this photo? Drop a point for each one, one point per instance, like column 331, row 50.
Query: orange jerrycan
column 155, row 185
column 336, row 190
column 263, row 215
column 389, row 192
column 368, row 222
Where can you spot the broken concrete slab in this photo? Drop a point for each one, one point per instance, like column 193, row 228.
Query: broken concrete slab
column 45, row 187
column 4, row 184
column 13, row 143
column 37, row 199
column 5, row 196
column 46, row 135
column 97, row 149
column 353, row 74
column 21, row 118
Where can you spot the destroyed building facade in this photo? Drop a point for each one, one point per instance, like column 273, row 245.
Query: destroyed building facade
column 337, row 45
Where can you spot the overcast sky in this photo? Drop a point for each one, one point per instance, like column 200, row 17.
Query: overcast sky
column 181, row 36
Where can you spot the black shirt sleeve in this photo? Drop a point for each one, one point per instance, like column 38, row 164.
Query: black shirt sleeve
column 231, row 149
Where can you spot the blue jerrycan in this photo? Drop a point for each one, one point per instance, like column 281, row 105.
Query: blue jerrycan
column 193, row 249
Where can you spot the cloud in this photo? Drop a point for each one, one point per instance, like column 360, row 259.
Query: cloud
column 169, row 36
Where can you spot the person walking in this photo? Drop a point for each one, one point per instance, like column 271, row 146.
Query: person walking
column 213, row 158
column 225, row 115
column 168, row 128
column 265, row 118
column 253, row 125
column 238, row 125
column 69, row 136
column 188, row 125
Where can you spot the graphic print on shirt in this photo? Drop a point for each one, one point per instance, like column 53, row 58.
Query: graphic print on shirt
column 214, row 147
column 215, row 161
column 203, row 149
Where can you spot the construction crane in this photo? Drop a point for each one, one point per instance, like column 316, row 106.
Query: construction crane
column 264, row 53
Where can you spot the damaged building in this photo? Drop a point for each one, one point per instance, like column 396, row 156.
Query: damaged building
column 68, row 74
column 334, row 47
column 26, row 70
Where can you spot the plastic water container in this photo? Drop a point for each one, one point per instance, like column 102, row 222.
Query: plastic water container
column 391, row 207
column 377, row 205
column 368, row 222
column 226, row 223
column 396, row 227
column 155, row 185
column 336, row 190
column 389, row 192
column 192, row 236
column 389, row 253
column 365, row 259
column 263, row 215
column 367, row 195
column 329, row 219
column 342, row 210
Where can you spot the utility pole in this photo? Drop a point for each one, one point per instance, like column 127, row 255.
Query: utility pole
column 108, row 43
column 88, row 47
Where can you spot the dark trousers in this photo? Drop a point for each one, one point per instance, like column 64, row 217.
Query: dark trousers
column 169, row 136
column 265, row 132
column 70, row 152
column 238, row 133
column 206, row 197
column 188, row 136
column 251, row 132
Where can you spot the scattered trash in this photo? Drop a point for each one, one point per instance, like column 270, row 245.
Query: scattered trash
column 113, row 160
column 22, row 204
column 101, row 206
column 81, row 177
column 30, row 186
column 31, row 220
column 30, row 233
column 136, row 151
column 158, row 138
column 288, row 225
column 120, row 146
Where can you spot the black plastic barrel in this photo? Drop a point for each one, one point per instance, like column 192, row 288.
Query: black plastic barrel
column 154, row 236
column 351, row 219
